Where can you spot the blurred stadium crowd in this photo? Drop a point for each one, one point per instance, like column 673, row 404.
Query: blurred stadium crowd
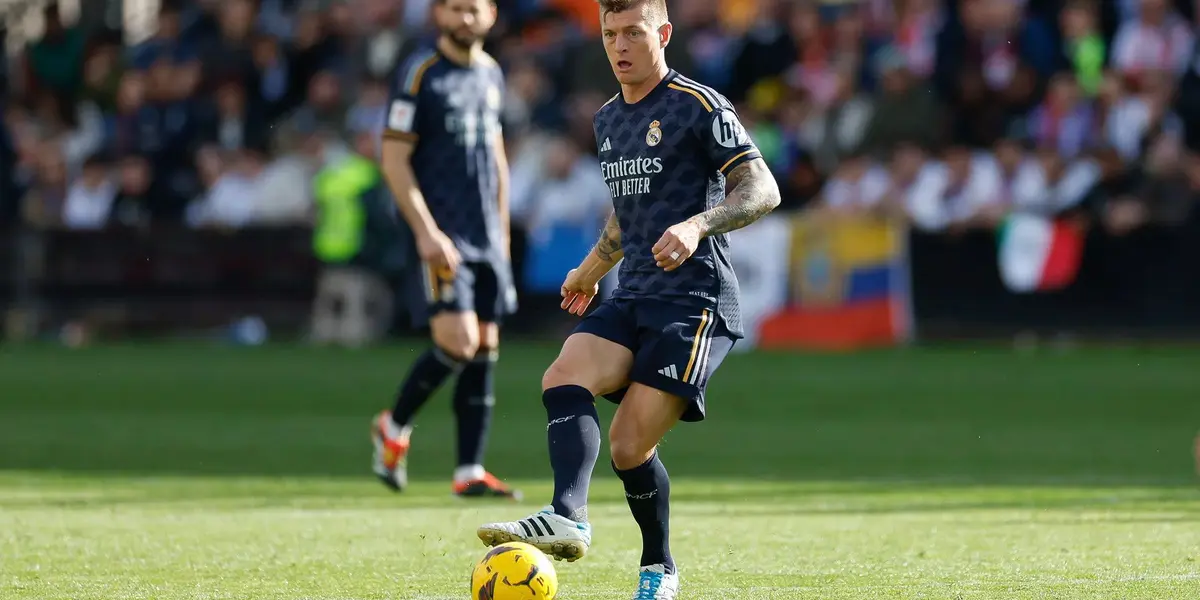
column 950, row 113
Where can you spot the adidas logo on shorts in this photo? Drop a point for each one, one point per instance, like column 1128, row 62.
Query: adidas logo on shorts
column 669, row 372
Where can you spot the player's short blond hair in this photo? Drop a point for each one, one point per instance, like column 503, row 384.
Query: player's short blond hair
column 655, row 11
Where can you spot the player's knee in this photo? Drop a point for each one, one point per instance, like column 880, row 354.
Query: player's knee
column 558, row 375
column 628, row 450
column 457, row 342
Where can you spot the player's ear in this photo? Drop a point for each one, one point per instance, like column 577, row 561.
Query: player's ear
column 664, row 34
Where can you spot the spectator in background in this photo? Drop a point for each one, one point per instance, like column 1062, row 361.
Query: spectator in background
column 768, row 48
column 1049, row 184
column 230, row 54
column 1010, row 158
column 1064, row 119
column 369, row 110
column 232, row 201
column 102, row 72
column 324, row 106
column 914, row 34
column 133, row 123
column 168, row 44
column 55, row 62
column 905, row 167
column 47, row 196
column 1083, row 44
column 988, row 67
column 231, row 126
column 952, row 195
column 383, row 40
column 832, row 131
column 904, row 110
column 137, row 191
column 858, row 186
column 1158, row 39
column 1165, row 193
column 274, row 85
column 90, row 200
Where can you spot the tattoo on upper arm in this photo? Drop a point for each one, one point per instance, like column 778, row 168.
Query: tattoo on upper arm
column 609, row 246
column 754, row 194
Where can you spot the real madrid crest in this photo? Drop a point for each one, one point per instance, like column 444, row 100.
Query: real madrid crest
column 654, row 136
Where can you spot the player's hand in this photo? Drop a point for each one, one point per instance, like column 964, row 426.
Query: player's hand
column 578, row 291
column 677, row 244
column 438, row 252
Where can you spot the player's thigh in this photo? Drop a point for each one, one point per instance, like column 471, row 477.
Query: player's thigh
column 599, row 365
column 644, row 416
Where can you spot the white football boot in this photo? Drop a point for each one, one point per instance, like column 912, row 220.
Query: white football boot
column 551, row 533
column 654, row 583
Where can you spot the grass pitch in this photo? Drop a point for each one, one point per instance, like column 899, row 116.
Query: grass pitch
column 191, row 472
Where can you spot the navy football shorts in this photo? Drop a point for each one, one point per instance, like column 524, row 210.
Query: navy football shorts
column 675, row 348
column 485, row 288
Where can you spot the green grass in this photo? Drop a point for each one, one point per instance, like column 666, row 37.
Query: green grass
column 184, row 471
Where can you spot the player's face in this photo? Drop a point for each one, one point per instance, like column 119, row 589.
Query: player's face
column 465, row 22
column 634, row 45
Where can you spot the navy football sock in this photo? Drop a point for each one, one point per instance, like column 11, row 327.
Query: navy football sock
column 573, row 433
column 473, row 401
column 424, row 378
column 648, row 493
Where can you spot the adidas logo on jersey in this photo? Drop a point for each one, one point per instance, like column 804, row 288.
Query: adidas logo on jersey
column 669, row 372
column 606, row 146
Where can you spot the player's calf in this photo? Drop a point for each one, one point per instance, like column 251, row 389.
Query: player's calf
column 474, row 399
column 644, row 417
column 587, row 366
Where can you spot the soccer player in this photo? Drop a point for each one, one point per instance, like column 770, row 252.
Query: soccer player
column 443, row 158
column 668, row 148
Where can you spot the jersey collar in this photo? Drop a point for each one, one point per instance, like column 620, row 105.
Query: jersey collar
column 658, row 89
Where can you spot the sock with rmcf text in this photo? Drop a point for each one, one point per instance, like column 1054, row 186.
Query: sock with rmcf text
column 648, row 493
column 573, row 433
column 474, row 398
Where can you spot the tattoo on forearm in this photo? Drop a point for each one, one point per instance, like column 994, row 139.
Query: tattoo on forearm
column 609, row 246
column 755, row 193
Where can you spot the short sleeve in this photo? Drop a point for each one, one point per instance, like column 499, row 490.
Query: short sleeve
column 725, row 140
column 404, row 101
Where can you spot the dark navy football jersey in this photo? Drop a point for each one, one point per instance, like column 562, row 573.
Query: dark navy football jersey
column 665, row 159
column 451, row 112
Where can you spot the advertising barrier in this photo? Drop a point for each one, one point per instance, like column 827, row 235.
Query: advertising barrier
column 807, row 281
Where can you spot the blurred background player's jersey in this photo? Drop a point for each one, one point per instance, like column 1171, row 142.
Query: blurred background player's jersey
column 452, row 114
column 665, row 159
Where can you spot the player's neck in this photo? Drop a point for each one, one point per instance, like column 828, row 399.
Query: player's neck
column 457, row 53
column 634, row 93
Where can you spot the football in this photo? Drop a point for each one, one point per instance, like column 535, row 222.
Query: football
column 514, row 571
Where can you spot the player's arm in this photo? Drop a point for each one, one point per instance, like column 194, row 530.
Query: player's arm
column 607, row 252
column 502, row 193
column 755, row 193
column 397, row 170
column 400, row 136
column 583, row 283
column 753, row 189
